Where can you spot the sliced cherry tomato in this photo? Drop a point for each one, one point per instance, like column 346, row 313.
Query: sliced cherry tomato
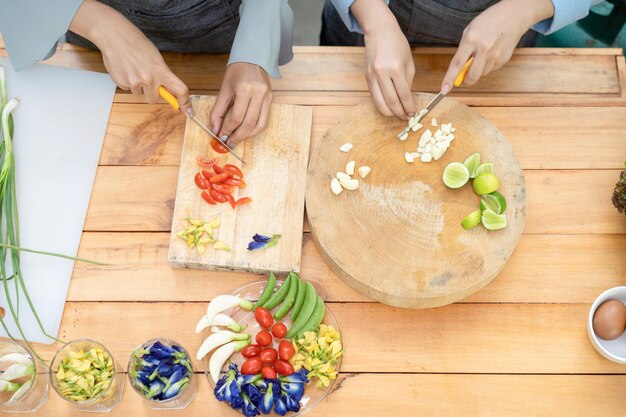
column 205, row 162
column 201, row 182
column 268, row 372
column 252, row 366
column 285, row 350
column 279, row 330
column 235, row 170
column 263, row 317
column 219, row 197
column 218, row 169
column 263, row 338
column 231, row 200
column 281, row 367
column 236, row 182
column 220, row 177
column 243, row 200
column 207, row 174
column 251, row 351
column 268, row 356
column 218, row 147
column 224, row 189
column 208, row 198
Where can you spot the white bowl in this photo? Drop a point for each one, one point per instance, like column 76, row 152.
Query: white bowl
column 614, row 350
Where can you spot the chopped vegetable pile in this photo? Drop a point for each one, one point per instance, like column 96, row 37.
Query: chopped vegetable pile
column 160, row 372
column 200, row 233
column 431, row 145
column 318, row 352
column 218, row 183
column 84, row 375
column 16, row 376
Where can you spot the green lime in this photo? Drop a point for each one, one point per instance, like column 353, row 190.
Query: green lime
column 493, row 221
column 486, row 167
column 491, row 203
column 455, row 175
column 471, row 220
column 501, row 200
column 472, row 163
column 483, row 207
column 485, row 183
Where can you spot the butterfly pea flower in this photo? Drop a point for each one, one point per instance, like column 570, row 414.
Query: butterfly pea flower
column 269, row 398
column 280, row 406
column 301, row 376
column 228, row 390
column 248, row 408
column 155, row 388
column 292, row 403
column 175, row 388
column 294, row 390
column 263, row 241
column 253, row 392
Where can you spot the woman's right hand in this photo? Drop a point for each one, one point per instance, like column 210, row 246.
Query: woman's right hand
column 133, row 62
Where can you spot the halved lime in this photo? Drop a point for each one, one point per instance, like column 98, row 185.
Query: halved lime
column 471, row 220
column 485, row 183
column 486, row 167
column 501, row 200
column 472, row 163
column 493, row 221
column 492, row 203
column 455, row 175
column 483, row 207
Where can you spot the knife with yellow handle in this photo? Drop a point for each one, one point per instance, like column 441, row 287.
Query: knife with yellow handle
column 173, row 101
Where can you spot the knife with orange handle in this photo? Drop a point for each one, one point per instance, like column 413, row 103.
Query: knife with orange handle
column 173, row 101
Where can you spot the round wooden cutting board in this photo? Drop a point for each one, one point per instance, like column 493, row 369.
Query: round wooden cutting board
column 397, row 239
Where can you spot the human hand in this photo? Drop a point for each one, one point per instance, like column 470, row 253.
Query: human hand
column 243, row 103
column 133, row 62
column 389, row 66
column 492, row 37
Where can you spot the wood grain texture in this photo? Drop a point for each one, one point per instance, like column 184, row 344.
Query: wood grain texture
column 398, row 238
column 543, row 269
column 459, row 338
column 276, row 176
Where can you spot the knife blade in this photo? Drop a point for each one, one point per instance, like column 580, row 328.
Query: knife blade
column 173, row 101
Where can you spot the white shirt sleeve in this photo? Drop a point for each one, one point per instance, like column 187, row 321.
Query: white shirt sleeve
column 343, row 8
column 565, row 12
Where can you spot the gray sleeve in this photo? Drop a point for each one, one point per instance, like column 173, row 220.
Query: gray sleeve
column 265, row 35
column 32, row 28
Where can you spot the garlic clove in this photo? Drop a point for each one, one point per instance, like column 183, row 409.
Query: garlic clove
column 335, row 186
column 351, row 184
column 408, row 157
column 433, row 122
column 350, row 167
column 364, row 171
column 403, row 135
column 417, row 127
column 345, row 147
column 426, row 157
column 341, row 175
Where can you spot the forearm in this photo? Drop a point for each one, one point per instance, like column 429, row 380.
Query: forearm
column 99, row 22
column 372, row 14
column 528, row 12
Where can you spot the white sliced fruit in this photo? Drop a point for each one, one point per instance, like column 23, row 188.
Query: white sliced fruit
column 351, row 184
column 350, row 167
column 335, row 186
column 364, row 171
column 219, row 339
column 433, row 122
column 224, row 302
column 408, row 156
column 345, row 147
column 341, row 175
column 221, row 355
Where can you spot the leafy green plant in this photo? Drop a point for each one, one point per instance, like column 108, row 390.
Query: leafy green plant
column 619, row 194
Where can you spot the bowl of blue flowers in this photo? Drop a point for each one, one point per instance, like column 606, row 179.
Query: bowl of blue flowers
column 161, row 372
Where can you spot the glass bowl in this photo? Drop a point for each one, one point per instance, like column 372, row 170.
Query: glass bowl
column 312, row 394
column 34, row 396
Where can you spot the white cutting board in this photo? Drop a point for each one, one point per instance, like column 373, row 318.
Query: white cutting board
column 59, row 129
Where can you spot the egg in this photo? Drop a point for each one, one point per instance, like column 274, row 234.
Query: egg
column 609, row 320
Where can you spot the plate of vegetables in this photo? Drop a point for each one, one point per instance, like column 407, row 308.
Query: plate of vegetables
column 271, row 347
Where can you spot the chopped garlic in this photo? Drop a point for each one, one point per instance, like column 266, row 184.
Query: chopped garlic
column 433, row 122
column 408, row 157
column 364, row 171
column 403, row 135
column 335, row 186
column 350, row 167
column 426, row 157
column 345, row 147
column 417, row 127
column 351, row 184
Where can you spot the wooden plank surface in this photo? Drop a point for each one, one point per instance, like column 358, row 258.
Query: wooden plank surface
column 276, row 175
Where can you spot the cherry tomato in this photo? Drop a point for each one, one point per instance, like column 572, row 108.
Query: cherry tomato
column 236, row 182
column 263, row 317
column 205, row 162
column 251, row 351
column 218, row 147
column 282, row 367
column 235, row 170
column 285, row 350
column 207, row 197
column 221, row 188
column 231, row 200
column 268, row 372
column 219, row 197
column 218, row 169
column 268, row 356
column 263, row 338
column 242, row 201
column 252, row 366
column 220, row 177
column 207, row 174
column 201, row 182
column 279, row 330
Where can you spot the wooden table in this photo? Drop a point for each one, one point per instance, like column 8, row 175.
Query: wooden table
column 518, row 347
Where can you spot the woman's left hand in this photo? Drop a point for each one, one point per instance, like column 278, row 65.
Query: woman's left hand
column 243, row 103
column 492, row 37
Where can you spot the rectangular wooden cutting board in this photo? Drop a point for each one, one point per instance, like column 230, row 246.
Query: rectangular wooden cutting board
column 276, row 176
